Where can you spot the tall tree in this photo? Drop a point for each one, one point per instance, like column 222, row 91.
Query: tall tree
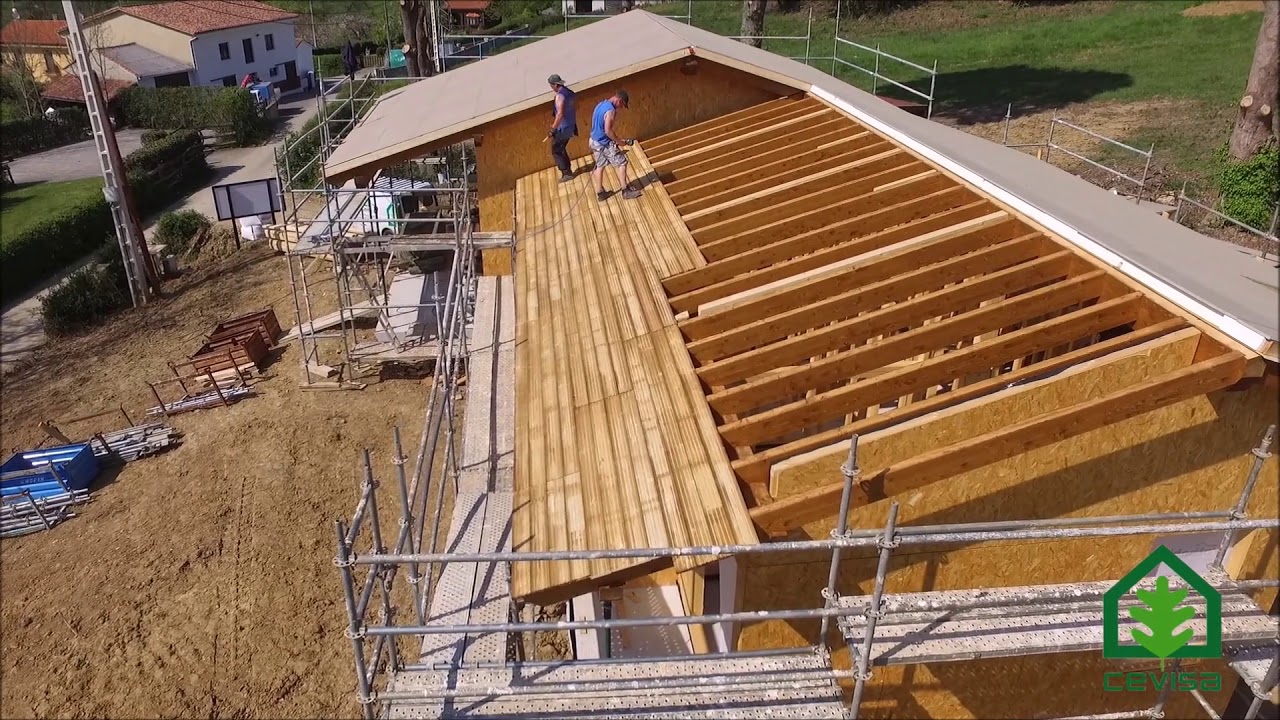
column 1256, row 119
column 753, row 21
column 411, row 16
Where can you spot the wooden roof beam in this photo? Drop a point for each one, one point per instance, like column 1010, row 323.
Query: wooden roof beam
column 757, row 467
column 856, row 147
column 803, row 159
column 908, row 313
column 828, row 136
column 892, row 289
column 692, row 147
column 779, row 194
column 885, row 223
column 924, row 338
column 815, row 288
column 800, row 212
column 1197, row 379
column 771, row 130
column 729, row 122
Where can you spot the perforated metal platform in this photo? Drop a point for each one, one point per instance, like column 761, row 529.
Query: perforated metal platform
column 922, row 627
column 1252, row 664
column 786, row 686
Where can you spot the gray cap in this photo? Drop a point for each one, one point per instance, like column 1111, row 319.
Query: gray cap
column 624, row 97
column 555, row 80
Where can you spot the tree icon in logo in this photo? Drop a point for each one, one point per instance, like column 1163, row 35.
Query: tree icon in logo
column 1162, row 616
column 1164, row 613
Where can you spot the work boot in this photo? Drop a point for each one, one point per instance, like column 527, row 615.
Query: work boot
column 565, row 178
column 603, row 195
column 630, row 194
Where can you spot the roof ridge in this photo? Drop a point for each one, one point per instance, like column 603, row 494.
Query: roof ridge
column 659, row 20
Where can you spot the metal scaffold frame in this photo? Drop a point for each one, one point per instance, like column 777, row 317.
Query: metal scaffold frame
column 378, row 567
column 364, row 244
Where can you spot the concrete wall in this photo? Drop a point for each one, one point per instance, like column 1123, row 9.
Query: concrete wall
column 1193, row 455
column 211, row 68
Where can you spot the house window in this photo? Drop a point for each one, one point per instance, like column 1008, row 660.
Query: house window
column 275, row 71
column 248, row 49
column 270, row 41
column 49, row 65
column 228, row 81
column 224, row 51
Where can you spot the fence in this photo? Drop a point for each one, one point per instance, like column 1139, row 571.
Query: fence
column 1267, row 237
column 877, row 77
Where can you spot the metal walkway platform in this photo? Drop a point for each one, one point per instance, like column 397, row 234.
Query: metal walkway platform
column 799, row 685
column 928, row 627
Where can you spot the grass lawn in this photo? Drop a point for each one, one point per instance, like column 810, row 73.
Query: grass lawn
column 29, row 203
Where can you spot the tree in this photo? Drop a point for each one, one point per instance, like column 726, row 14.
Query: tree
column 1255, row 121
column 753, row 21
column 419, row 40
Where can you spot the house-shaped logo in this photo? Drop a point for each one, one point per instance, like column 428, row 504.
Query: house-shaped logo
column 1161, row 632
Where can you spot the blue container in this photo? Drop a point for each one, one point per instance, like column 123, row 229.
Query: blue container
column 34, row 471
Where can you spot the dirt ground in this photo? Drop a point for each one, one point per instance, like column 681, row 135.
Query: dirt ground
column 198, row 583
column 1223, row 7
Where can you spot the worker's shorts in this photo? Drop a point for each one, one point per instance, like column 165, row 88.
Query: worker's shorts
column 607, row 154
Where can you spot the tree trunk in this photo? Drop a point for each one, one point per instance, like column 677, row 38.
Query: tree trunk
column 411, row 20
column 426, row 40
column 753, row 21
column 1255, row 123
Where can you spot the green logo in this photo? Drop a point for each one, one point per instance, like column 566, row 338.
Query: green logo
column 1159, row 630
column 1161, row 633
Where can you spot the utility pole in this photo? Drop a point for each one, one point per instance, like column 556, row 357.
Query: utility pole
column 138, row 267
column 434, row 8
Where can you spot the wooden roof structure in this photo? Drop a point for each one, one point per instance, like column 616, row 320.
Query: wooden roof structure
column 789, row 278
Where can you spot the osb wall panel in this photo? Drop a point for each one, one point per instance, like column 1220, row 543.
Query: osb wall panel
column 662, row 100
column 1082, row 383
column 1193, row 455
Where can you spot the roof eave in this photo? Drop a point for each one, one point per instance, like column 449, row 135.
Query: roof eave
column 361, row 165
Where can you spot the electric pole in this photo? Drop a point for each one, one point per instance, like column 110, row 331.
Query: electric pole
column 138, row 267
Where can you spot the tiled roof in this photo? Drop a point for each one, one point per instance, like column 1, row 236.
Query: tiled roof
column 67, row 89
column 193, row 17
column 33, row 33
column 468, row 5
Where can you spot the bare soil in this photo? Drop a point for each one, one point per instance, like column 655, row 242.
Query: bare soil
column 198, row 583
column 1223, row 7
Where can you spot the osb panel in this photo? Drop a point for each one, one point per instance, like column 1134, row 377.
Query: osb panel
column 1079, row 384
column 1193, row 455
column 496, row 261
column 662, row 100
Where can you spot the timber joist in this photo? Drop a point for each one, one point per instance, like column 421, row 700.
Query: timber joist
column 849, row 286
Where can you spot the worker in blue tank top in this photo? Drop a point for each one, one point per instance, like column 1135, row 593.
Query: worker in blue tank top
column 606, row 146
column 564, row 125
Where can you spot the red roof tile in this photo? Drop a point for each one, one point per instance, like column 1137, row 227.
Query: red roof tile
column 192, row 17
column 33, row 33
column 67, row 89
column 467, row 5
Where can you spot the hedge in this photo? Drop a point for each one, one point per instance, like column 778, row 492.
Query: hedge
column 87, row 295
column 329, row 66
column 19, row 137
column 195, row 108
column 159, row 173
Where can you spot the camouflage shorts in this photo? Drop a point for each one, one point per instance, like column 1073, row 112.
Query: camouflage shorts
column 608, row 154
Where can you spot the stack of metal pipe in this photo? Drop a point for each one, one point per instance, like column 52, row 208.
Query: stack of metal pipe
column 214, row 397
column 135, row 442
column 23, row 514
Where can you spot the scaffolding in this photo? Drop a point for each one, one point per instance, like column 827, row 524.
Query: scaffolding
column 878, row 57
column 398, row 249
column 880, row 628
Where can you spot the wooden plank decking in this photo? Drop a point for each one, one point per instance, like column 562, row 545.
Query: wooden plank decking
column 616, row 446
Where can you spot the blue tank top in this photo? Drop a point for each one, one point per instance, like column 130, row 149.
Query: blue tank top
column 570, row 117
column 597, row 122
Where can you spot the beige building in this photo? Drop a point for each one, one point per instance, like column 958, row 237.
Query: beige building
column 38, row 45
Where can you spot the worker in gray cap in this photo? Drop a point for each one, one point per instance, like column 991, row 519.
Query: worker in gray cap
column 606, row 146
column 564, row 125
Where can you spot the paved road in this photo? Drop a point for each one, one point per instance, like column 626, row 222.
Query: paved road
column 21, row 331
column 69, row 162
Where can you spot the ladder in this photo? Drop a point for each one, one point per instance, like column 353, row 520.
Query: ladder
column 137, row 266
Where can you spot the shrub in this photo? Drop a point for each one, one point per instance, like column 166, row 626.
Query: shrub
column 1250, row 189
column 19, row 137
column 194, row 108
column 150, row 136
column 329, row 66
column 86, row 296
column 159, row 173
column 176, row 230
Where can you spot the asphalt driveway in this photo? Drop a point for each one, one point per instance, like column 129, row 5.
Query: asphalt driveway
column 70, row 162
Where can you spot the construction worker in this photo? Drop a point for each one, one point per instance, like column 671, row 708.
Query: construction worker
column 606, row 146
column 564, row 125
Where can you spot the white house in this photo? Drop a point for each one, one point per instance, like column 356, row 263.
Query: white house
column 589, row 7
column 200, row 42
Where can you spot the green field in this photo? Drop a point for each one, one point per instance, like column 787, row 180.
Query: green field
column 27, row 204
